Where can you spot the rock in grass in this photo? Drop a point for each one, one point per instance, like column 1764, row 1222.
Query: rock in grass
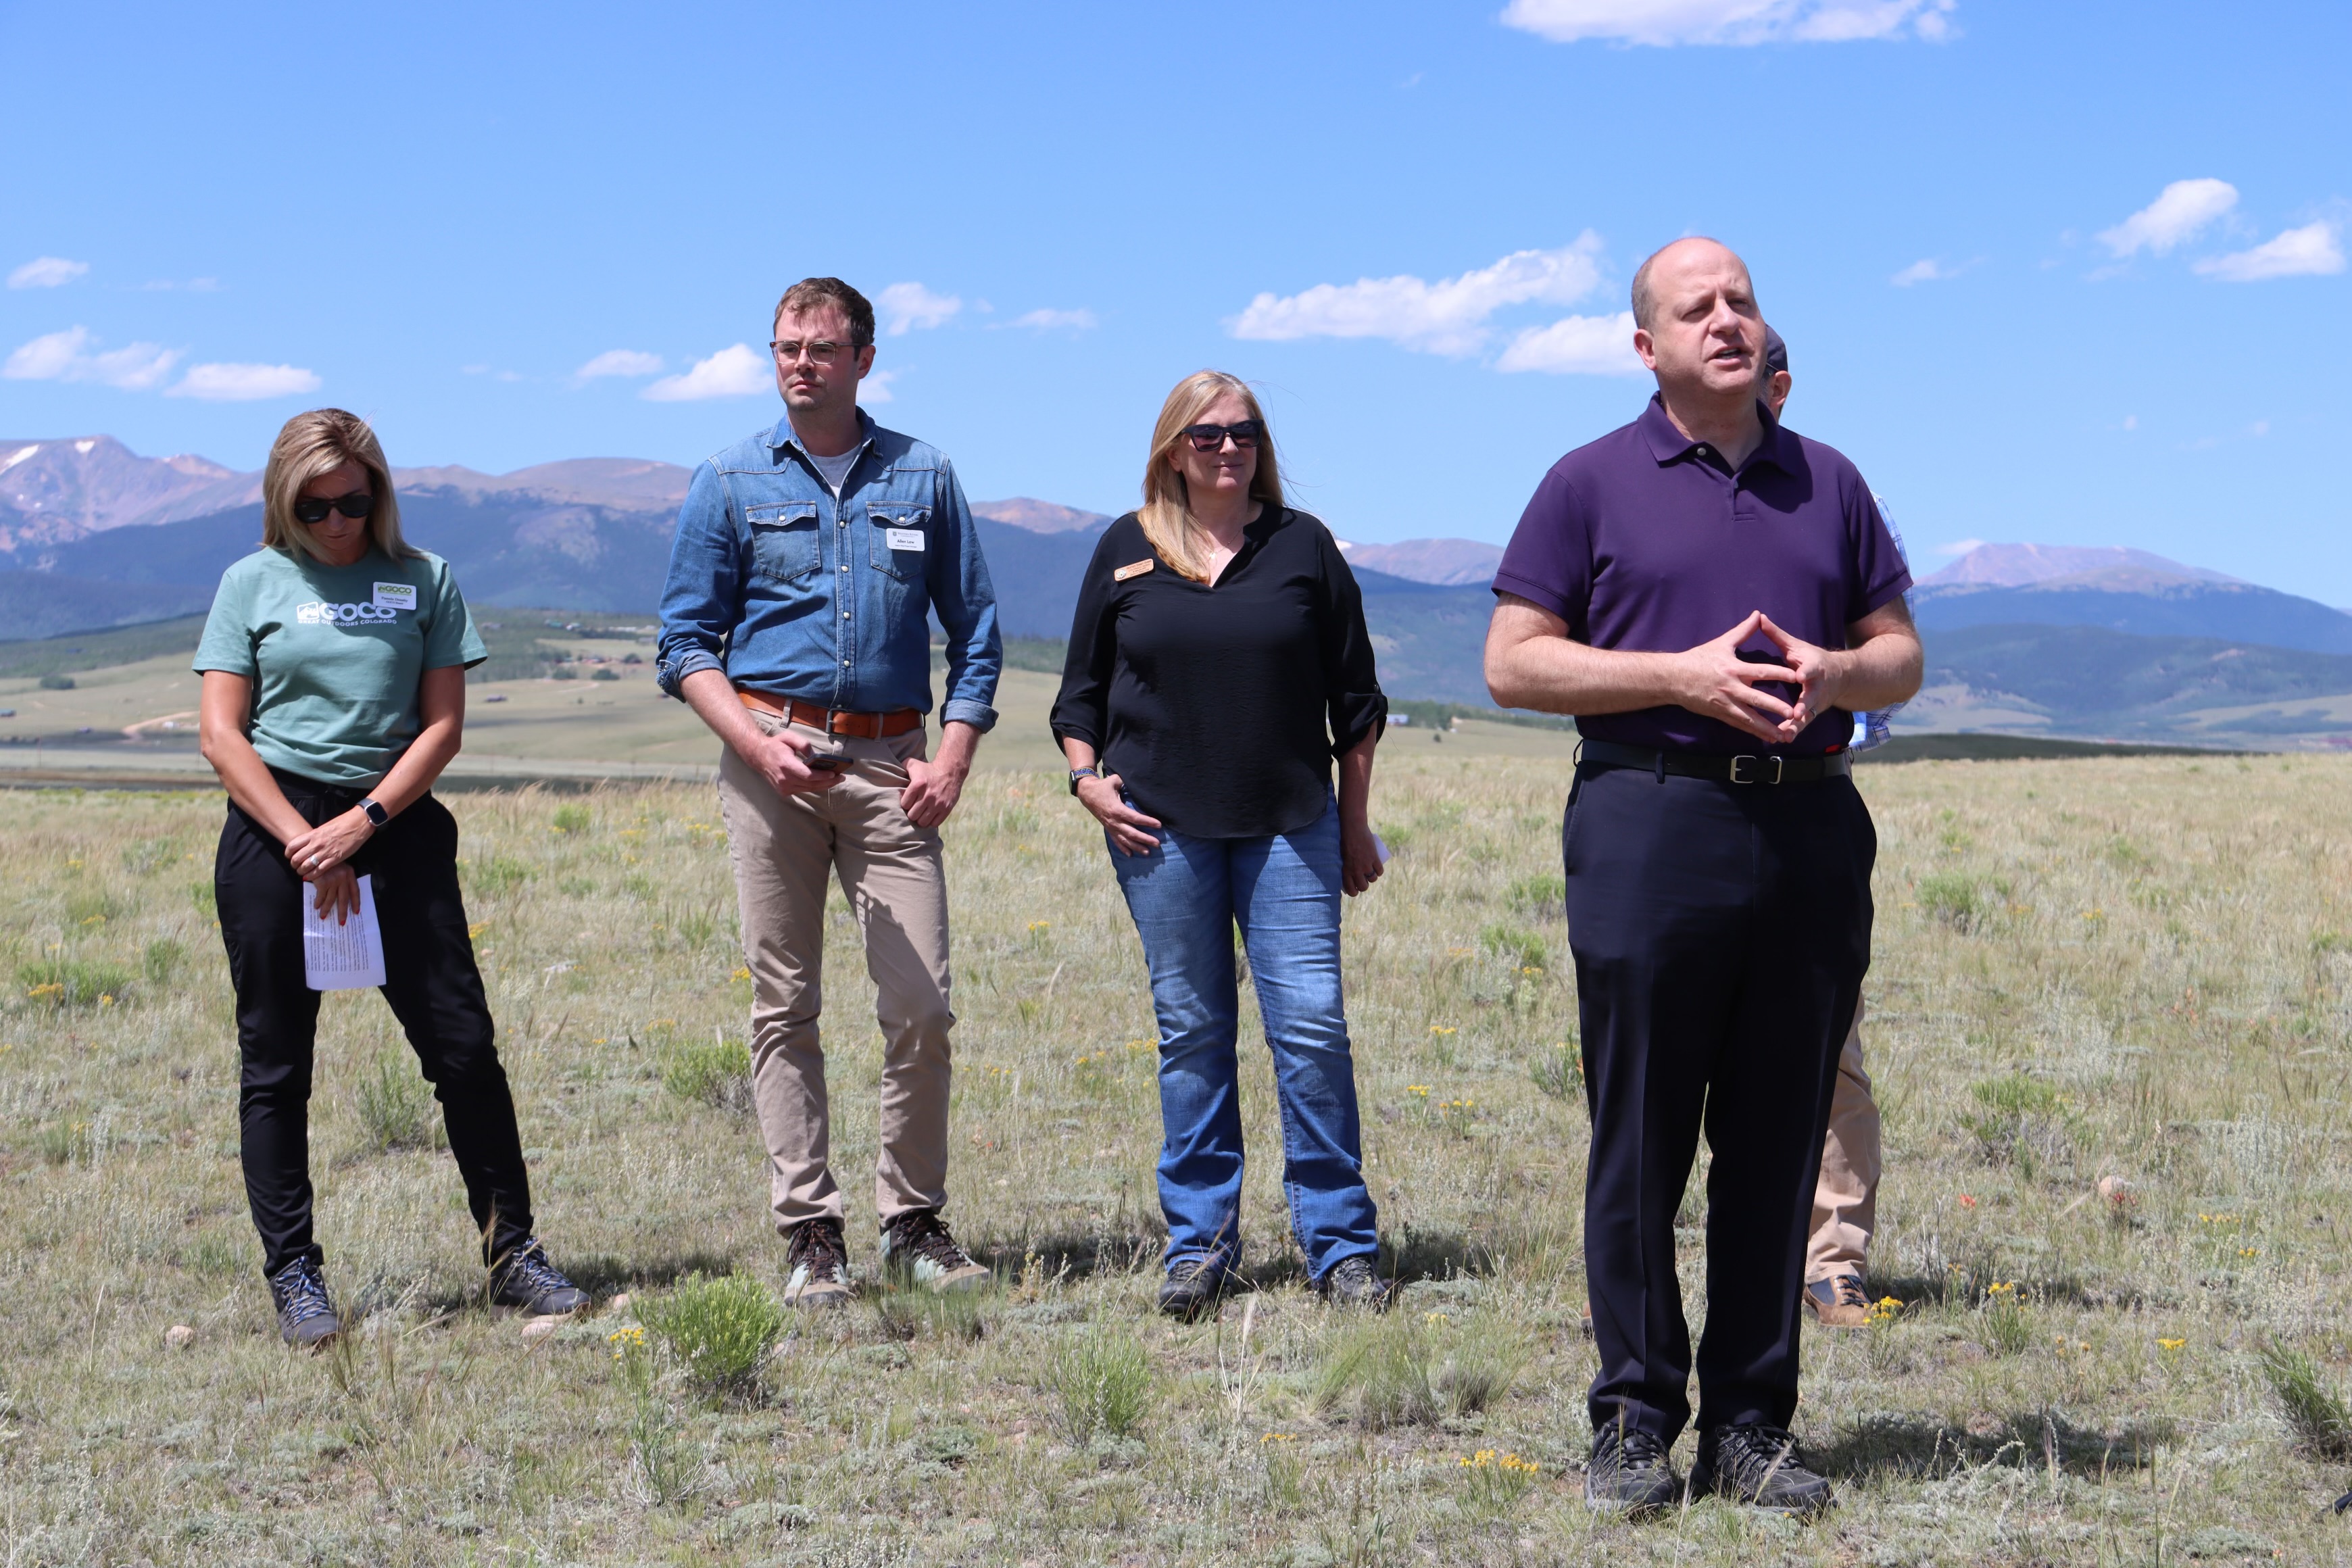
column 619, row 1303
column 537, row 1329
column 2117, row 1192
column 179, row 1336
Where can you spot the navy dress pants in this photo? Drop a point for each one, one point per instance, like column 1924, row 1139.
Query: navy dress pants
column 435, row 990
column 1720, row 933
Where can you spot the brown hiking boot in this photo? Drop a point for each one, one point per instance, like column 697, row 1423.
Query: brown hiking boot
column 816, row 1266
column 1839, row 1301
column 918, row 1245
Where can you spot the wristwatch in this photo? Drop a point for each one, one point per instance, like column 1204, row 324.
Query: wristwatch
column 1077, row 773
column 376, row 815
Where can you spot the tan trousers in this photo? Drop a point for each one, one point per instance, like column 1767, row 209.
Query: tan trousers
column 782, row 847
column 1845, row 1200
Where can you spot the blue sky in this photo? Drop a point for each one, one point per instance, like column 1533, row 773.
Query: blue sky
column 2049, row 272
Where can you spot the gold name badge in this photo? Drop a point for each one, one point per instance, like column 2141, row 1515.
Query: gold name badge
column 1136, row 569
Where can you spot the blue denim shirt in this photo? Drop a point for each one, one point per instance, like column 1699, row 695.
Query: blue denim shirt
column 788, row 592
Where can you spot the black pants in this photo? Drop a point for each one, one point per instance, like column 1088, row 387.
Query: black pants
column 1720, row 933
column 431, row 982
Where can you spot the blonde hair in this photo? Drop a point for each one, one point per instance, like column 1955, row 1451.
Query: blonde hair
column 1166, row 513
column 318, row 443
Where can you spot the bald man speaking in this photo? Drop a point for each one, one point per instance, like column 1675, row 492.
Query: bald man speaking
column 1712, row 596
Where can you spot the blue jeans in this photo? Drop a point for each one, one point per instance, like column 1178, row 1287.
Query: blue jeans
column 1283, row 891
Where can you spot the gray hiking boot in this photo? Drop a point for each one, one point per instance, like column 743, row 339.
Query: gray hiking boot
column 525, row 1281
column 1754, row 1463
column 816, row 1266
column 918, row 1245
column 1631, row 1473
column 1354, row 1282
column 305, row 1319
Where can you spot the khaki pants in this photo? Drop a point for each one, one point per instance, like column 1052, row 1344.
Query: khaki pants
column 1845, row 1200
column 782, row 847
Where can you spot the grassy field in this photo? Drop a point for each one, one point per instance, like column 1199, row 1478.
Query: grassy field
column 2126, row 969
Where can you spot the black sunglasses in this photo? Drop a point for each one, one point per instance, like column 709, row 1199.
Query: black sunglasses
column 355, row 506
column 1212, row 438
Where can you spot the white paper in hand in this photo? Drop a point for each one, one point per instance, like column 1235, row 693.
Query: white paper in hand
column 345, row 957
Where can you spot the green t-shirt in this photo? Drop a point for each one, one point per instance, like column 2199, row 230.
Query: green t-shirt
column 335, row 655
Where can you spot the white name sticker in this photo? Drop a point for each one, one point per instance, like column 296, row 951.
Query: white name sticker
column 903, row 538
column 396, row 596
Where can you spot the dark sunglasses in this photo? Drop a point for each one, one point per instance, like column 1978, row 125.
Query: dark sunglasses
column 355, row 506
column 1212, row 438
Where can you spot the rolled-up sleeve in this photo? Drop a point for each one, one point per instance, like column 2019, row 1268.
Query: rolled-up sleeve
column 1351, row 683
column 965, row 600
column 703, row 600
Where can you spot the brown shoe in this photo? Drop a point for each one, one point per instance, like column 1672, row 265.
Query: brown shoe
column 817, row 1267
column 1838, row 1301
column 918, row 1245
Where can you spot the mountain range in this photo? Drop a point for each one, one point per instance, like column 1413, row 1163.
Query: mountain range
column 2029, row 638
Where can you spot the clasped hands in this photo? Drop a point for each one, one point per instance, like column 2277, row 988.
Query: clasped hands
column 1713, row 679
column 782, row 758
column 321, row 856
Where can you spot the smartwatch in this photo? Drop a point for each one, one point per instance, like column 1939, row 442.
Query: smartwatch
column 376, row 815
column 1087, row 773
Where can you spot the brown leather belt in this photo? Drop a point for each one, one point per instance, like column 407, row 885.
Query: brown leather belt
column 833, row 721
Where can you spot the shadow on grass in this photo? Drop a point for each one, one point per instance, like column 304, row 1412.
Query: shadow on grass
column 1918, row 1446
column 1964, row 1286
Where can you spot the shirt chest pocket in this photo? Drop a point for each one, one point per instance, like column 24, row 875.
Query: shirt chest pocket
column 786, row 542
column 898, row 544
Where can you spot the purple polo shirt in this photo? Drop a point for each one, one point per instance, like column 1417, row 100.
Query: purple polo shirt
column 1645, row 540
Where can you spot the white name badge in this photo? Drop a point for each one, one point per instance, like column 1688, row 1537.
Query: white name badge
column 396, row 596
column 903, row 538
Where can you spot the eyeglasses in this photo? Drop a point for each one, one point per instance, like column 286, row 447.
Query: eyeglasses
column 822, row 351
column 355, row 506
column 1212, row 438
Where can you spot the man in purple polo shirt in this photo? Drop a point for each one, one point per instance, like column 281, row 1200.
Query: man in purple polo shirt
column 1712, row 596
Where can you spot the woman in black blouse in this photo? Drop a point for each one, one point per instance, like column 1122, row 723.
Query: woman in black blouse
column 1218, row 663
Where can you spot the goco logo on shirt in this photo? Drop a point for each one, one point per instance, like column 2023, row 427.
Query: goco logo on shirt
column 319, row 612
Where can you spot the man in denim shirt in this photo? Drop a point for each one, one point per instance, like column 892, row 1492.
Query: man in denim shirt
column 808, row 561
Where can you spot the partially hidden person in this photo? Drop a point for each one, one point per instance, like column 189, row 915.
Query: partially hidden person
column 1846, row 1195
column 1712, row 596
column 334, row 694
column 808, row 562
column 1218, row 667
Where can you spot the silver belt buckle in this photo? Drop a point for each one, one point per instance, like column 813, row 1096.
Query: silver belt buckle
column 1779, row 767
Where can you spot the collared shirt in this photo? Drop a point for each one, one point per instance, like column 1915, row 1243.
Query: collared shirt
column 790, row 590
column 1221, row 707
column 1647, row 541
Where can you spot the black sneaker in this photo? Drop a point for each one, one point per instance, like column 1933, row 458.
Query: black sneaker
column 1354, row 1282
column 1759, row 1464
column 817, row 1265
column 305, row 1319
column 1631, row 1473
column 1193, row 1287
column 918, row 1244
column 525, row 1281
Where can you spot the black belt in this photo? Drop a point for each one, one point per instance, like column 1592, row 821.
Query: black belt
column 1743, row 770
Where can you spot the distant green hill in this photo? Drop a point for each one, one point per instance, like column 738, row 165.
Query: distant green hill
column 2091, row 680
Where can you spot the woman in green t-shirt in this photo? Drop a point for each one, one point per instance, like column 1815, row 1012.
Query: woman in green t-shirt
column 334, row 693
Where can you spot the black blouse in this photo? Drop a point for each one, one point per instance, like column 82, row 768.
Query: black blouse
column 1221, row 708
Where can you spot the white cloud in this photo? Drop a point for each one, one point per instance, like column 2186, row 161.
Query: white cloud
column 619, row 362
column 1925, row 271
column 2314, row 250
column 1576, row 345
column 739, row 371
column 1079, row 320
column 2180, row 213
column 1959, row 547
column 47, row 272
column 1447, row 317
column 876, row 387
column 244, row 383
column 906, row 306
column 67, row 356
column 1664, row 22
